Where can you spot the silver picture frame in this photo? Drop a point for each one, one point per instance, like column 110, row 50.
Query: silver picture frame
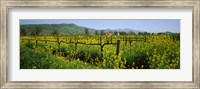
column 4, row 52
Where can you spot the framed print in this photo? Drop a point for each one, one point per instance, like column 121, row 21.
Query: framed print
column 100, row 44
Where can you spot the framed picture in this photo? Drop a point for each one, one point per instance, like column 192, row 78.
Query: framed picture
column 100, row 44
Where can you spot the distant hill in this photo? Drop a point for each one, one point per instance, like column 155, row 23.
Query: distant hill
column 63, row 29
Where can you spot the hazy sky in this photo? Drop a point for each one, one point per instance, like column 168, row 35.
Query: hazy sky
column 172, row 25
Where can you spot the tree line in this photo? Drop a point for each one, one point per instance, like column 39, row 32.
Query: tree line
column 38, row 31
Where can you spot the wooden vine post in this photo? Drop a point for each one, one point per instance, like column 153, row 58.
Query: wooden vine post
column 76, row 41
column 118, row 47
column 130, row 41
column 101, row 46
column 36, row 43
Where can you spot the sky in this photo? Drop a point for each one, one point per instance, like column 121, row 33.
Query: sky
column 151, row 25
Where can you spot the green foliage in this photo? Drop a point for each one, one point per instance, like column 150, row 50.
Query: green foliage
column 40, row 59
column 23, row 32
column 48, row 29
column 38, row 31
column 102, row 32
column 165, row 54
column 111, row 60
column 115, row 33
column 96, row 32
column 143, row 33
column 55, row 33
column 33, row 33
column 86, row 31
column 30, row 44
column 158, row 52
column 131, row 33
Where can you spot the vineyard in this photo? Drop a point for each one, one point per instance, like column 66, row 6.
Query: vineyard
column 100, row 52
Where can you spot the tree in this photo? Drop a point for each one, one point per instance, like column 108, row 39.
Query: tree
column 102, row 32
column 143, row 33
column 23, row 32
column 131, row 33
column 146, row 33
column 55, row 33
column 38, row 31
column 122, row 33
column 86, row 31
column 115, row 33
column 140, row 33
column 96, row 32
column 33, row 32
